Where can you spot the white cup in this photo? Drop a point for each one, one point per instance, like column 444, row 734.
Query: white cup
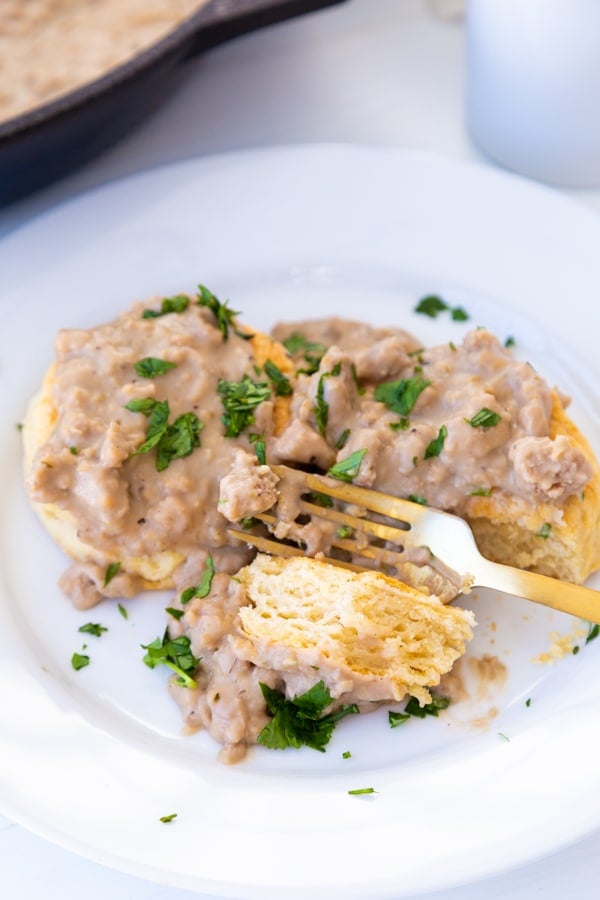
column 533, row 86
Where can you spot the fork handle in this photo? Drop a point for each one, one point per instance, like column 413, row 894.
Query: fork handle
column 561, row 595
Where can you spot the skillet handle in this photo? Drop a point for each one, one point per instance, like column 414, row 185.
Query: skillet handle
column 227, row 19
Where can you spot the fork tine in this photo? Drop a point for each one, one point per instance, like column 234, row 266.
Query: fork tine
column 382, row 555
column 385, row 504
column 385, row 532
column 276, row 548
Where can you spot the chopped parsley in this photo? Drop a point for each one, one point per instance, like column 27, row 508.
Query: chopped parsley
column 223, row 315
column 402, row 424
column 150, row 366
column 545, row 531
column 417, row 498
column 438, row 702
column 80, row 661
column 172, row 440
column 528, row 701
column 144, row 405
column 176, row 654
column 346, row 754
column 593, row 632
column 281, row 382
column 342, row 440
column 401, row 396
column 93, row 628
column 321, row 407
column 432, row 305
column 458, row 314
column 177, row 304
column 485, row 418
column 347, row 469
column 180, row 439
column 509, row 342
column 247, row 522
column 343, row 532
column 111, row 570
column 480, row 492
column 168, row 818
column 123, row 611
column 301, row 721
column 74, row 450
column 359, row 390
column 175, row 613
column 397, row 718
column 434, row 448
column 258, row 442
column 312, row 352
column 240, row 399
column 320, row 499
column 202, row 589
column 356, row 792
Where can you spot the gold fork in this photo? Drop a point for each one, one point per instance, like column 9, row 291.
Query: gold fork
column 419, row 535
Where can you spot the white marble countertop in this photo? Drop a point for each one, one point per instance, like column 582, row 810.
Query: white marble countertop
column 386, row 72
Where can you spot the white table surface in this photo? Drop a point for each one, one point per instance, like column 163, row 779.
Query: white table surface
column 386, row 72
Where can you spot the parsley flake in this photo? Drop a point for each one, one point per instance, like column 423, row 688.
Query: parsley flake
column 321, row 407
column 320, row 499
column 458, row 314
column 431, row 305
column 111, row 570
column 93, row 628
column 347, row 469
column 224, row 316
column 413, row 708
column 172, row 440
column 258, row 442
column 176, row 654
column 240, row 399
column 593, row 632
column 301, row 721
column 202, row 589
column 311, row 351
column 342, row 440
column 356, row 792
column 168, row 818
column 401, row 396
column 485, row 418
column 545, row 531
column 175, row 613
column 434, row 448
column 177, row 304
column 397, row 718
column 80, row 661
column 480, row 492
column 150, row 366
column 281, row 382
column 123, row 612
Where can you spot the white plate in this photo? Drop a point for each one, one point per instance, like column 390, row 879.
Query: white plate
column 93, row 759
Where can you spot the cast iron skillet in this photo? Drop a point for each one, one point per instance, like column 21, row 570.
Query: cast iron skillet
column 52, row 140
